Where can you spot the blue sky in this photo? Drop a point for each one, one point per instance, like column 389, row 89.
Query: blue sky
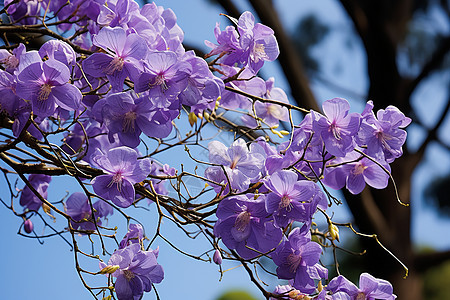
column 33, row 271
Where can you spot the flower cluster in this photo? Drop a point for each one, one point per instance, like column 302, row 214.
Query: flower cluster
column 135, row 269
column 338, row 149
column 124, row 76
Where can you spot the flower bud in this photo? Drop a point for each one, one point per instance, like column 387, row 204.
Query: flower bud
column 109, row 269
column 319, row 286
column 28, row 226
column 192, row 118
column 217, row 103
column 334, row 231
column 217, row 257
column 276, row 132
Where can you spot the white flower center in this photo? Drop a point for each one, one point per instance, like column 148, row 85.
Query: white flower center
column 259, row 53
column 359, row 168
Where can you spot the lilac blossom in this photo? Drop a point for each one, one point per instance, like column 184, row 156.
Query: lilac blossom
column 11, row 60
column 250, row 45
column 135, row 235
column 270, row 113
column 123, row 57
column 123, row 170
column 40, row 183
column 289, row 197
column 137, row 271
column 288, row 290
column 203, row 88
column 9, row 101
column 96, row 133
column 164, row 74
column 383, row 134
column 257, row 40
column 78, row 208
column 46, row 85
column 296, row 257
column 370, row 288
column 25, row 11
column 161, row 31
column 243, row 224
column 117, row 13
column 337, row 128
column 228, row 45
column 242, row 166
column 60, row 51
column 354, row 171
column 129, row 117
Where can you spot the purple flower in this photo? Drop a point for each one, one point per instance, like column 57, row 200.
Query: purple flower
column 135, row 235
column 60, row 51
column 46, row 85
column 123, row 170
column 244, row 225
column 137, row 271
column 289, row 291
column 28, row 199
column 203, row 88
column 117, row 13
column 250, row 46
column 296, row 257
column 241, row 165
column 78, row 208
column 164, row 75
column 257, row 40
column 228, row 44
column 338, row 128
column 383, row 135
column 354, row 171
column 11, row 61
column 270, row 113
column 129, row 117
column 25, row 11
column 289, row 197
column 122, row 58
column 370, row 288
column 9, row 101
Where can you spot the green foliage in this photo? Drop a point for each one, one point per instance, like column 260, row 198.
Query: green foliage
column 236, row 295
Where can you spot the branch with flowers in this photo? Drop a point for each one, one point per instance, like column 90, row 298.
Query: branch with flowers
column 101, row 106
